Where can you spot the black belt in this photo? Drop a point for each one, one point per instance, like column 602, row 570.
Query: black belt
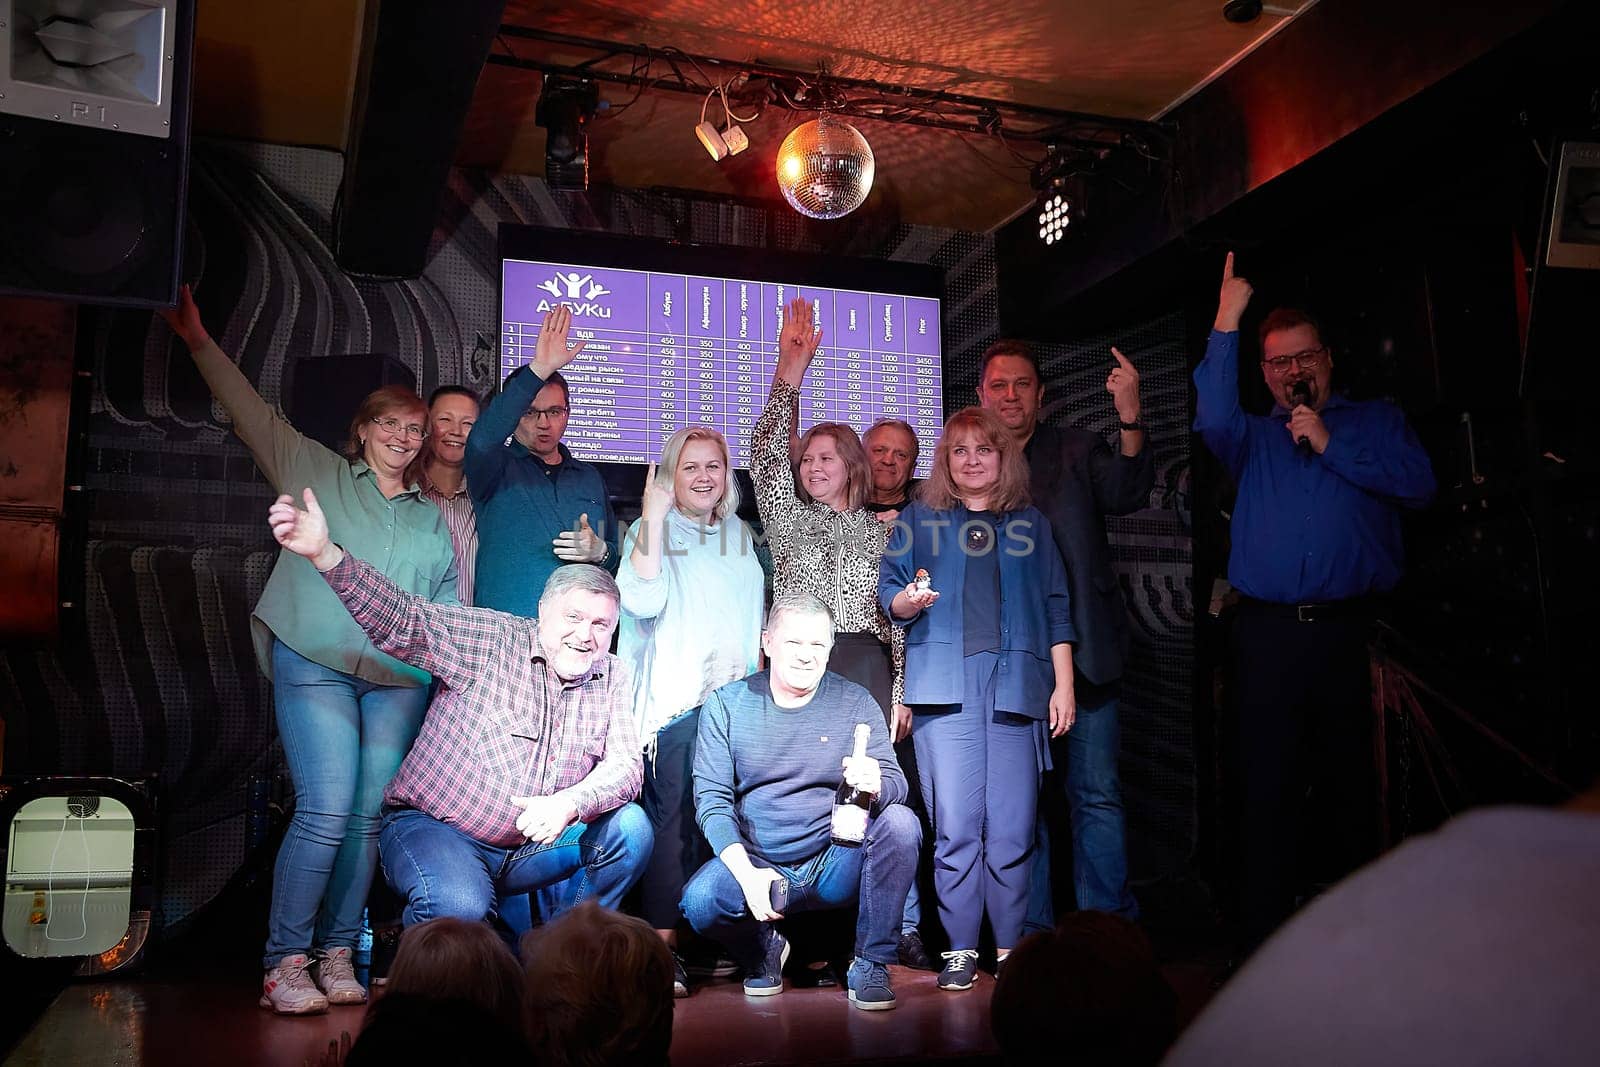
column 1361, row 607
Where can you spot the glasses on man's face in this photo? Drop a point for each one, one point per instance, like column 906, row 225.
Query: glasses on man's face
column 410, row 429
column 546, row 413
column 1310, row 359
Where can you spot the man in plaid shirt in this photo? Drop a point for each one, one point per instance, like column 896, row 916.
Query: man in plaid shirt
column 528, row 760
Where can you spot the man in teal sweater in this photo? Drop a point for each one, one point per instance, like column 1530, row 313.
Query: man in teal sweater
column 537, row 506
column 772, row 750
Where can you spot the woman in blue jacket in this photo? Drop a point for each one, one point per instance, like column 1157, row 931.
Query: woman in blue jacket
column 988, row 673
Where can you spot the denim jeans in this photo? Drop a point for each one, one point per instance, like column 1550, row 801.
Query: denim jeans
column 440, row 871
column 874, row 876
column 343, row 738
column 1086, row 768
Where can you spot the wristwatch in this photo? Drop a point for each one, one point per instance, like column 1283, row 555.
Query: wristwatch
column 1129, row 425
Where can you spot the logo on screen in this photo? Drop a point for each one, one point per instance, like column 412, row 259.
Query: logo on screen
column 578, row 291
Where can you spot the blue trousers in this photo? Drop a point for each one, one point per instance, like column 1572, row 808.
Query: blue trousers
column 439, row 871
column 1086, row 770
column 343, row 739
column 874, row 876
column 980, row 782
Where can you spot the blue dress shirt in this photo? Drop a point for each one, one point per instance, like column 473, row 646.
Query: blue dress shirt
column 1309, row 528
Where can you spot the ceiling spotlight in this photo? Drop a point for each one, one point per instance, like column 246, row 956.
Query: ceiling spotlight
column 731, row 141
column 1063, row 200
column 825, row 168
column 565, row 109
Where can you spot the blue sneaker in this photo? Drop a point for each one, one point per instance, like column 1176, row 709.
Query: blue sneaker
column 766, row 978
column 869, row 985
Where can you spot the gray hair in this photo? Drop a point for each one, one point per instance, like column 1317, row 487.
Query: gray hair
column 672, row 451
column 584, row 577
column 797, row 604
column 900, row 424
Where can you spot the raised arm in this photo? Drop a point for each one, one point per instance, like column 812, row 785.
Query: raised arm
column 1218, row 418
column 278, row 448
column 486, row 454
column 452, row 643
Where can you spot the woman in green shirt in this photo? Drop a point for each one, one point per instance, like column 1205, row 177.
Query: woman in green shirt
column 346, row 713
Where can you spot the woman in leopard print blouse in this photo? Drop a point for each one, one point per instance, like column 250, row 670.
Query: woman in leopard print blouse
column 824, row 541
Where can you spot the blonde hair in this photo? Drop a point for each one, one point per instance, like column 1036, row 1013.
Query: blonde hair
column 858, row 472
column 672, row 451
column 1010, row 490
column 598, row 990
column 458, row 959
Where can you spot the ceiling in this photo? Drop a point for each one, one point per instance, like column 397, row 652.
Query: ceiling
column 1127, row 59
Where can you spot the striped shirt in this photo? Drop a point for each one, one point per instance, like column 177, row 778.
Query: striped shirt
column 462, row 523
column 502, row 724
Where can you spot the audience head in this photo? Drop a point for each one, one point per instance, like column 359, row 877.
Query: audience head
column 408, row 1028
column 977, row 460
column 459, row 959
column 696, row 466
column 452, row 411
column 833, row 467
column 1292, row 351
column 1088, row 992
column 598, row 991
column 1009, row 384
column 577, row 614
column 387, row 430
column 892, row 449
column 797, row 638
column 541, row 426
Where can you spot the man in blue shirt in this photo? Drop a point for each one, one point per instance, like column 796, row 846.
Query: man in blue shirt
column 1316, row 538
column 537, row 506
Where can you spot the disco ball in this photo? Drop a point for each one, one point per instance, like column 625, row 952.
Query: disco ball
column 825, row 168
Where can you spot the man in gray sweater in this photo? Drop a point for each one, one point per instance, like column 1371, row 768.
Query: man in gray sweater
column 772, row 750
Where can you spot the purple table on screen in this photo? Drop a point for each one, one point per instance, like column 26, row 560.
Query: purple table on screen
column 664, row 351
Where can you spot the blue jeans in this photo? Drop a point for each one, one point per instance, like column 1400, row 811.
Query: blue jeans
column 440, row 871
column 343, row 738
column 874, row 876
column 1086, row 768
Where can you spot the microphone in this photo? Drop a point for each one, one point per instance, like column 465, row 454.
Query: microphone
column 1300, row 393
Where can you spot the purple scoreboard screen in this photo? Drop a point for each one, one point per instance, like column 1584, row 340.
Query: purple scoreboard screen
column 663, row 351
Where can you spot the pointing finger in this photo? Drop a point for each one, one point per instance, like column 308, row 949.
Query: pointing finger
column 1122, row 360
column 1227, row 267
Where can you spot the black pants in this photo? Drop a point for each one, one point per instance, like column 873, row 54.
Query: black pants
column 668, row 799
column 1302, row 694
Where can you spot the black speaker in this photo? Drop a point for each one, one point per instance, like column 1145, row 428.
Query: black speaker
column 94, row 148
column 419, row 70
column 324, row 391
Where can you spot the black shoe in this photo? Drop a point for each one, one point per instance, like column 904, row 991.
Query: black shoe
column 719, row 966
column 385, row 943
column 913, row 954
column 816, row 976
column 680, row 978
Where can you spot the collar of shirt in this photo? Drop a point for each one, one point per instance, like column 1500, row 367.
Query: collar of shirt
column 566, row 458
column 359, row 467
column 597, row 669
column 425, row 485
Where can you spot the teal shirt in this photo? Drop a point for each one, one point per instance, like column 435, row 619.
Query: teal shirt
column 404, row 537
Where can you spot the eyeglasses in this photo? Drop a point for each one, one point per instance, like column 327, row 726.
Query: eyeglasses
column 543, row 413
column 1310, row 359
column 394, row 425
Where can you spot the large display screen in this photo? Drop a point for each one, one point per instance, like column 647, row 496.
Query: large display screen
column 664, row 349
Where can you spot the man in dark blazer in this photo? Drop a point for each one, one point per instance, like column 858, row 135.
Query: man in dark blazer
column 1077, row 480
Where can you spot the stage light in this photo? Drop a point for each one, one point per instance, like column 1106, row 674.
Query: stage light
column 565, row 110
column 825, row 168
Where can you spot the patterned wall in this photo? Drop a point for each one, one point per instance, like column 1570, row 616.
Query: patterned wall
column 160, row 676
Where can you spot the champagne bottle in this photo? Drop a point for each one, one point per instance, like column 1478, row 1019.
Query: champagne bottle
column 851, row 807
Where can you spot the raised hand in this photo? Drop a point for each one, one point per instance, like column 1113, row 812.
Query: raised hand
column 1235, row 297
column 552, row 353
column 797, row 341
column 185, row 321
column 1123, row 385
column 305, row 533
column 582, row 545
column 657, row 499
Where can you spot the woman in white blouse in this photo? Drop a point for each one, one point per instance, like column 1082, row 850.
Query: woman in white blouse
column 692, row 596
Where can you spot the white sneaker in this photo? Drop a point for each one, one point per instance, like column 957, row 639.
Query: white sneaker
column 336, row 976
column 288, row 990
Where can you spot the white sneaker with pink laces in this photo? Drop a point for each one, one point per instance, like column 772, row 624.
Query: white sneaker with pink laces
column 288, row 990
column 336, row 976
